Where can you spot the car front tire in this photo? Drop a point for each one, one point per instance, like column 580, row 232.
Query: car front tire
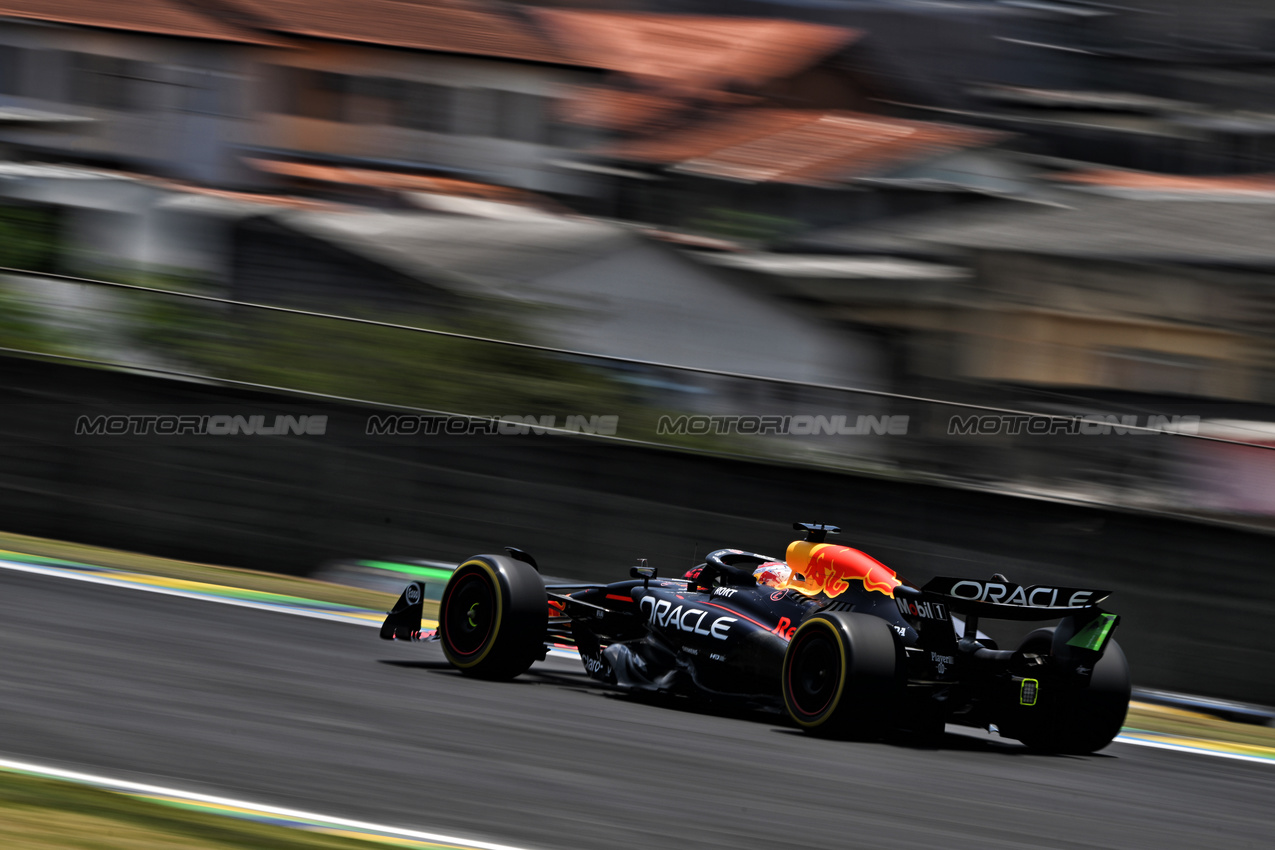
column 492, row 617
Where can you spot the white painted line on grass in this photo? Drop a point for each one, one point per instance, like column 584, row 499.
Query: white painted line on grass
column 1201, row 751
column 301, row 819
column 76, row 575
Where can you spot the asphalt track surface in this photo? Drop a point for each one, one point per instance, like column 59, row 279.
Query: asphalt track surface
column 325, row 717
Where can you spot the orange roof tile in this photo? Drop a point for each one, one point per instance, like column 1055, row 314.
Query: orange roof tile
column 804, row 147
column 289, row 201
column 693, row 50
column 639, row 111
column 626, row 111
column 399, row 180
column 160, row 17
column 1118, row 179
column 449, row 26
column 196, row 189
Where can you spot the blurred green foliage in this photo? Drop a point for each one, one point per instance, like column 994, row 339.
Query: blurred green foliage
column 744, row 226
column 424, row 371
column 21, row 326
column 347, row 360
column 400, row 367
column 29, row 238
column 378, row 364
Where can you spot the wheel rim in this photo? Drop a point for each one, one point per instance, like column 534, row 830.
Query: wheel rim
column 469, row 612
column 815, row 673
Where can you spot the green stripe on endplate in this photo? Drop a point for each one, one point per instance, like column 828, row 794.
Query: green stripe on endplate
column 1094, row 635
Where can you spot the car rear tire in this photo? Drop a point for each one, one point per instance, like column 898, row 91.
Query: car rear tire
column 492, row 617
column 1075, row 715
column 842, row 675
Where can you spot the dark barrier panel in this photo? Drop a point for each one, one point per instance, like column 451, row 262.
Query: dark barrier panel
column 1194, row 597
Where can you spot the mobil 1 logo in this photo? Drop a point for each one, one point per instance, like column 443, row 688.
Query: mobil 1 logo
column 921, row 608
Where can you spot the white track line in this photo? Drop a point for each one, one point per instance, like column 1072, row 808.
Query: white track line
column 321, row 821
column 1199, row 751
column 75, row 575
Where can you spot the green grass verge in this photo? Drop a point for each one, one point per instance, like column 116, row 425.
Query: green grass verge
column 305, row 588
column 1190, row 724
column 46, row 814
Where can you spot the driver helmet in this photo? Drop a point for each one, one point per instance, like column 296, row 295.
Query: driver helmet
column 772, row 574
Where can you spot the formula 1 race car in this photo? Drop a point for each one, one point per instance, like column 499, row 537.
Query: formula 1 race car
column 829, row 634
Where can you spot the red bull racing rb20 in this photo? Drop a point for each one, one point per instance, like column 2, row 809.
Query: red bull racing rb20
column 828, row 635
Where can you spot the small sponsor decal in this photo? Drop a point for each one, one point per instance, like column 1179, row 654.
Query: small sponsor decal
column 941, row 662
column 595, row 665
column 785, row 629
column 726, row 592
column 413, row 594
column 922, row 609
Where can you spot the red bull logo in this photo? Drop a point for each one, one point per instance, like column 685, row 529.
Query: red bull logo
column 825, row 568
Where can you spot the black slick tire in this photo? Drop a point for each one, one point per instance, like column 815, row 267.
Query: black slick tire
column 492, row 617
column 842, row 675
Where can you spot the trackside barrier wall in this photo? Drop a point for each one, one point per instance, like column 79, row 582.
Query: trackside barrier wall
column 1195, row 598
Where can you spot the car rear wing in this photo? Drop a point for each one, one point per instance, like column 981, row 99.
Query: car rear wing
column 1084, row 626
column 1002, row 600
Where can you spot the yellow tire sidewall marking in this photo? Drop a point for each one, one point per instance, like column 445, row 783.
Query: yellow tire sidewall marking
column 839, row 640
column 495, row 626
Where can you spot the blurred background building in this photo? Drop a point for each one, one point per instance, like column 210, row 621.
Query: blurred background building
column 1051, row 205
